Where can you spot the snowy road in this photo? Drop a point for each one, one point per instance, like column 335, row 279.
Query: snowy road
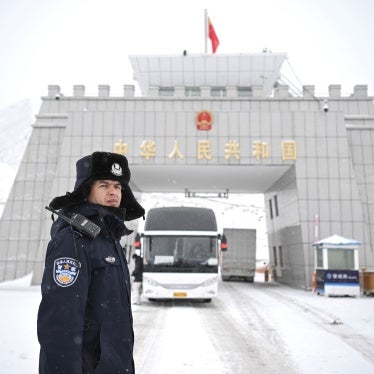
column 250, row 328
column 254, row 328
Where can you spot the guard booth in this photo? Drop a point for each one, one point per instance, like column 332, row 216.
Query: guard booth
column 336, row 266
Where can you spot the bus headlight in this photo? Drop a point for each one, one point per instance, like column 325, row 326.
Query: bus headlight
column 150, row 282
column 209, row 282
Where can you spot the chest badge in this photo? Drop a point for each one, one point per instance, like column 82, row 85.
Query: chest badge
column 110, row 259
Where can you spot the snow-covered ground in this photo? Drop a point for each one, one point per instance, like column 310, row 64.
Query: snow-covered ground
column 19, row 346
column 318, row 334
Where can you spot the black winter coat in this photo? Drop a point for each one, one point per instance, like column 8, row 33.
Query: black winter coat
column 85, row 320
column 138, row 270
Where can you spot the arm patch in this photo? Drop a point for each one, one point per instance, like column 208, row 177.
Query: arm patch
column 65, row 271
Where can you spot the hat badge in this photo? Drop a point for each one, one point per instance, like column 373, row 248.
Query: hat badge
column 116, row 169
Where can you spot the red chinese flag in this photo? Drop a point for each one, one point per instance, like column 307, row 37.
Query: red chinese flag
column 213, row 36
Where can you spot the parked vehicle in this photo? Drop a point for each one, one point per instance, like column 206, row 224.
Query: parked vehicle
column 240, row 260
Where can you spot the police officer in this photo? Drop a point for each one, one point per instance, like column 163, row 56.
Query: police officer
column 85, row 319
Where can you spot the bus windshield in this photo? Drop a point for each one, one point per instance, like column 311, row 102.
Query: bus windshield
column 178, row 251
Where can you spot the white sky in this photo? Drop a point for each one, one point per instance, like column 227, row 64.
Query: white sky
column 70, row 42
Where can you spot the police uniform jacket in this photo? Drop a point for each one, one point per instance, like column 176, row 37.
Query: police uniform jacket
column 85, row 321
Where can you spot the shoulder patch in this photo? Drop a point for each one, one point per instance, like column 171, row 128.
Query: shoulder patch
column 65, row 271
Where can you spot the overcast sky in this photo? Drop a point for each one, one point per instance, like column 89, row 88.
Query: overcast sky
column 70, row 42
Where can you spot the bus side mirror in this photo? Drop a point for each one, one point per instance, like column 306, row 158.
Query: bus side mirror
column 223, row 243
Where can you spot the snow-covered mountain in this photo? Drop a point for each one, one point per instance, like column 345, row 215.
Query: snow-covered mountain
column 236, row 211
column 15, row 131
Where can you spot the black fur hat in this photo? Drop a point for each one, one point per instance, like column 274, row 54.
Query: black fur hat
column 101, row 166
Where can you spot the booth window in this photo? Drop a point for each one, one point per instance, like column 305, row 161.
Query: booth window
column 340, row 259
column 320, row 258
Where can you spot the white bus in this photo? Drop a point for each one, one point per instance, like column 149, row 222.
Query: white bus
column 180, row 249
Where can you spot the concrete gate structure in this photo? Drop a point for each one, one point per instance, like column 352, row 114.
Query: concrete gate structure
column 211, row 123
